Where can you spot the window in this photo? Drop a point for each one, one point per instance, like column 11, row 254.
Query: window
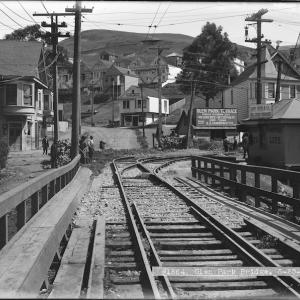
column 271, row 90
column 125, row 104
column 165, row 106
column 65, row 78
column 83, row 77
column 27, row 95
column 132, row 91
column 46, row 102
column 138, row 104
column 11, row 94
column 144, row 104
column 292, row 91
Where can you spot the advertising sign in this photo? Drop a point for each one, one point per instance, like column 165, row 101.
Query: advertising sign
column 216, row 117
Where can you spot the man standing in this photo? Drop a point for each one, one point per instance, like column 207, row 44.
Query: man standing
column 45, row 145
column 91, row 148
column 245, row 144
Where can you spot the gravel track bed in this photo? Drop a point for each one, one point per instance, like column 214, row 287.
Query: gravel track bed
column 103, row 199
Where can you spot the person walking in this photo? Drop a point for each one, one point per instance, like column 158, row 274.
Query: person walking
column 91, row 148
column 234, row 146
column 245, row 145
column 225, row 144
column 45, row 145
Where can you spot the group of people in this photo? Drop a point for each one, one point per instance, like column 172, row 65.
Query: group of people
column 244, row 144
column 86, row 148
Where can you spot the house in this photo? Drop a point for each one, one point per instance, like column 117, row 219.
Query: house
column 242, row 92
column 25, row 99
column 135, row 108
column 145, row 67
column 65, row 81
column 117, row 80
column 108, row 56
column 174, row 59
column 274, row 140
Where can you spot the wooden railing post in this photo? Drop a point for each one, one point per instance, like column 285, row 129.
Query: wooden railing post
column 257, row 185
column 35, row 203
column 193, row 167
column 3, row 230
column 232, row 177
column 21, row 214
column 274, row 190
column 44, row 194
column 205, row 175
column 296, row 195
column 213, row 181
column 243, row 194
column 51, row 189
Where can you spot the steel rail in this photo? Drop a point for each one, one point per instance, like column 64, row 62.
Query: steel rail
column 248, row 249
column 147, row 272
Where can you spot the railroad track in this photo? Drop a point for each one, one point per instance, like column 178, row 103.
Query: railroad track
column 175, row 232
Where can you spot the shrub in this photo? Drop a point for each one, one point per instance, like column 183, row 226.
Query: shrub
column 4, row 150
column 63, row 154
column 172, row 142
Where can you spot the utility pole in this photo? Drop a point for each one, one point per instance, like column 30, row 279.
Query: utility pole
column 159, row 51
column 277, row 97
column 54, row 35
column 188, row 136
column 256, row 17
column 76, row 106
column 113, row 102
column 92, row 103
column 142, row 96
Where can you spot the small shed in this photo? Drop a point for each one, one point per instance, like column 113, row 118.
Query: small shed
column 275, row 140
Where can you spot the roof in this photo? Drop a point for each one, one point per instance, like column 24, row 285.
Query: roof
column 18, row 58
column 147, row 92
column 121, row 70
column 286, row 109
column 174, row 54
column 245, row 75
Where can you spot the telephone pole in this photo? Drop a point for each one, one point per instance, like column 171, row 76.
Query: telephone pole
column 256, row 17
column 76, row 105
column 54, row 35
column 159, row 51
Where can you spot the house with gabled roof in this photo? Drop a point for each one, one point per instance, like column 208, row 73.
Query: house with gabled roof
column 25, row 97
column 242, row 92
column 137, row 106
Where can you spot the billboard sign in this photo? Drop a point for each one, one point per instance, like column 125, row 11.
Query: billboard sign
column 216, row 117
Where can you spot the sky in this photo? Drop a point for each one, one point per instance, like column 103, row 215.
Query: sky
column 163, row 17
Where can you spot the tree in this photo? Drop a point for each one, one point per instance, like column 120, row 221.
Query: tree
column 208, row 61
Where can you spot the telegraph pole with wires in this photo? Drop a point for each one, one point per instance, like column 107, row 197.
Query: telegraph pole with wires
column 54, row 35
column 159, row 51
column 76, row 105
column 256, row 17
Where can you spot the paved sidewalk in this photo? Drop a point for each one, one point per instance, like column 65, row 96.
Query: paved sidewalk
column 21, row 166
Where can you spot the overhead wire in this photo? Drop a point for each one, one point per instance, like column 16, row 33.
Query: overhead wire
column 7, row 26
column 45, row 7
column 15, row 12
column 153, row 21
column 11, row 18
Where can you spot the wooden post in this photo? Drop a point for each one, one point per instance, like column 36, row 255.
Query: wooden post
column 221, row 175
column 296, row 195
column 257, row 185
column 213, row 181
column 243, row 194
column 21, row 215
column 52, row 189
column 45, row 194
column 232, row 177
column 35, row 203
column 3, row 230
column 193, row 166
column 205, row 170
column 274, row 190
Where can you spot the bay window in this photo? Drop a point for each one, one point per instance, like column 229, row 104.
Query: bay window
column 11, row 94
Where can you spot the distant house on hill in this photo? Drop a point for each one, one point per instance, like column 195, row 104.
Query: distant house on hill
column 108, row 56
column 174, row 59
column 242, row 92
column 131, row 111
column 25, row 98
column 145, row 66
column 117, row 80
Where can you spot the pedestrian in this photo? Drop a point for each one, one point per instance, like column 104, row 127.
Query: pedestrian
column 245, row 144
column 234, row 146
column 225, row 144
column 45, row 145
column 82, row 146
column 91, row 148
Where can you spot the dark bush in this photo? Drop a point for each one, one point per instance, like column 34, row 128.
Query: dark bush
column 4, row 150
column 172, row 142
column 100, row 98
column 63, row 153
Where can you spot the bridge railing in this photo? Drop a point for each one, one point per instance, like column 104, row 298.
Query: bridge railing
column 264, row 184
column 26, row 199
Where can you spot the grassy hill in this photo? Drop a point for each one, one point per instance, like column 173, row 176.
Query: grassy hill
column 124, row 43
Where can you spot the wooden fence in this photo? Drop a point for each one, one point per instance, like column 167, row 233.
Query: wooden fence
column 38, row 191
column 262, row 183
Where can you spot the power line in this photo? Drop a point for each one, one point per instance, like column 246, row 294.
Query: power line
column 45, row 7
column 11, row 18
column 153, row 21
column 15, row 13
column 7, row 26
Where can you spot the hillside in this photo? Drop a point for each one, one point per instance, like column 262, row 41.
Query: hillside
column 124, row 43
